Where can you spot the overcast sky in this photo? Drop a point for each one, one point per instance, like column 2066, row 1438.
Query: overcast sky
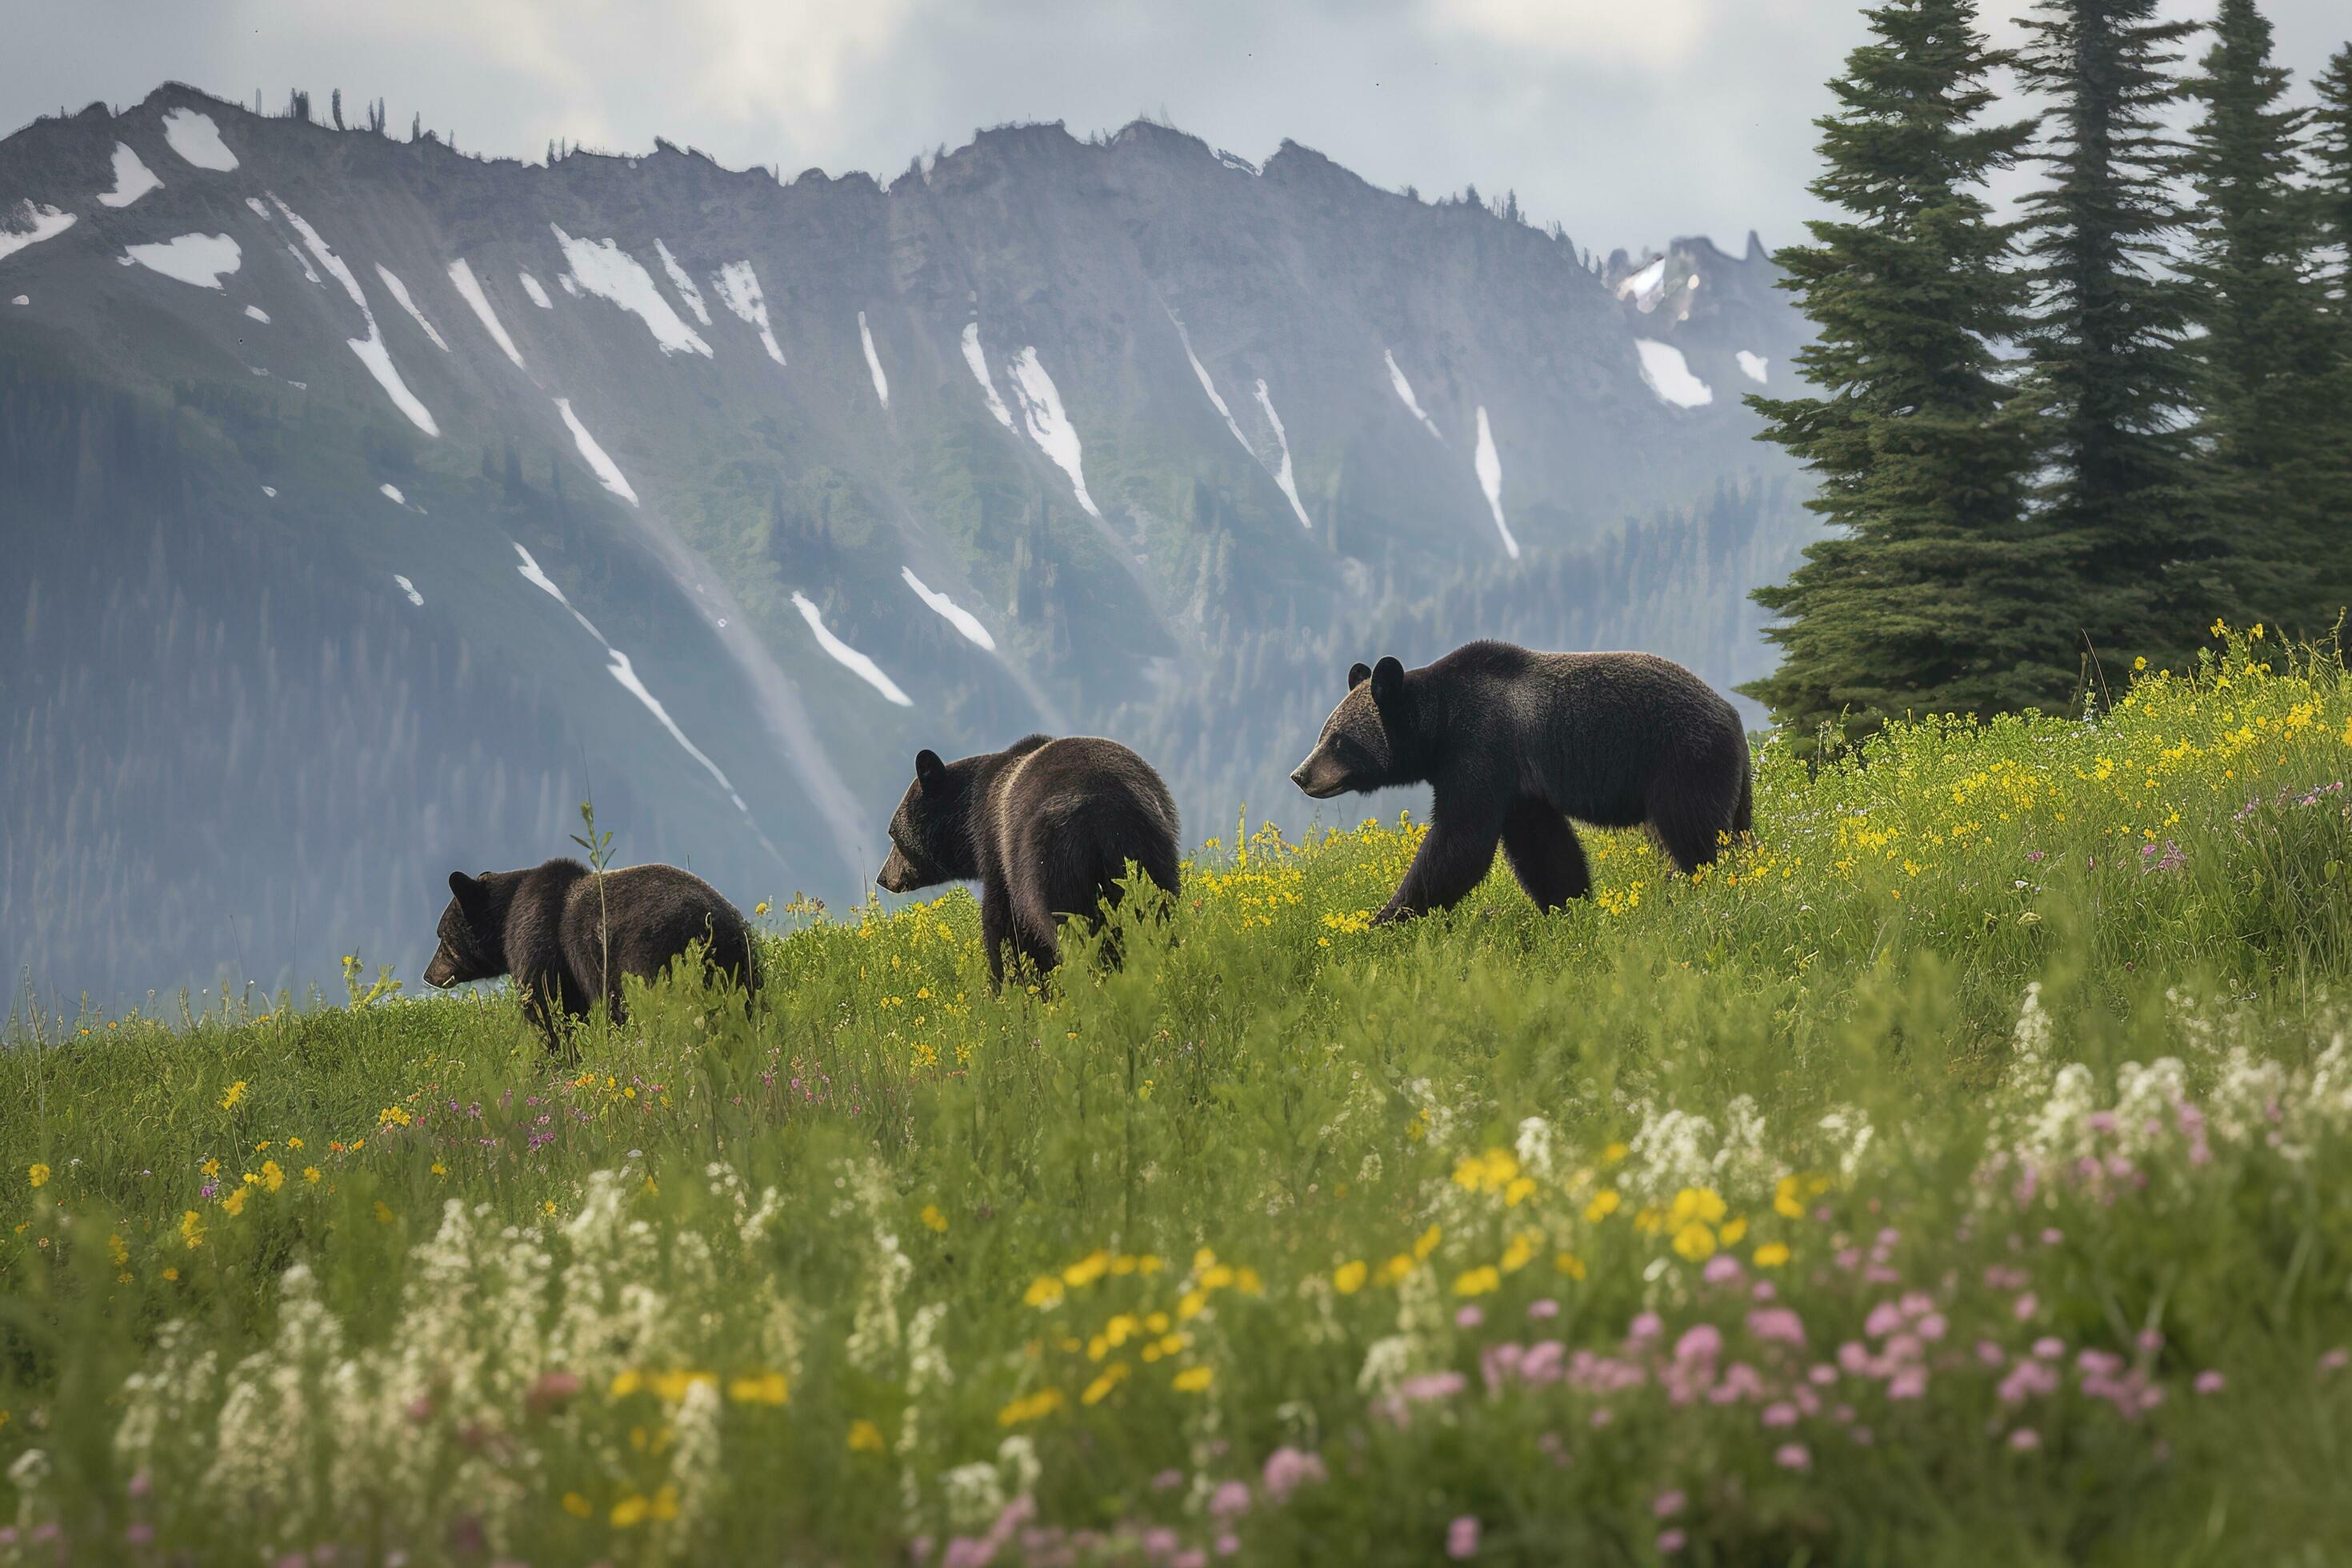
column 1627, row 121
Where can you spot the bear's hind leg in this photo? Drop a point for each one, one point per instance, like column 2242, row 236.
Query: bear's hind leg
column 1690, row 823
column 1545, row 854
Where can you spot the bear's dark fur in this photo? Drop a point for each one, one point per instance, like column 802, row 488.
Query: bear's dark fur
column 1516, row 742
column 544, row 926
column 1045, row 826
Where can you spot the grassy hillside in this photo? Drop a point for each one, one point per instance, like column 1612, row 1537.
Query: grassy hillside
column 1954, row 1174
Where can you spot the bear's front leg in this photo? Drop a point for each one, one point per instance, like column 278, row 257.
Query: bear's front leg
column 995, row 927
column 1455, row 855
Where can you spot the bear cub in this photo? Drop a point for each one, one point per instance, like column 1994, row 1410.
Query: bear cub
column 545, row 926
column 1515, row 743
column 1047, row 826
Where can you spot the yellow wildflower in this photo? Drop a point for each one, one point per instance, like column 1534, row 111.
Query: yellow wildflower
column 1604, row 1203
column 630, row 1511
column 1348, row 1278
column 310, row 1174
column 1477, row 1281
column 934, row 1219
column 1569, row 1264
column 1044, row 1292
column 383, row 1212
column 235, row 1203
column 1086, row 1269
column 1394, row 1269
column 235, row 1092
column 272, row 1178
column 192, row 1230
column 1732, row 1231
column 1696, row 1202
column 1695, row 1241
column 1771, row 1255
column 758, row 1388
column 865, row 1437
column 577, row 1506
column 39, row 1174
column 627, row 1382
column 1518, row 1254
column 1193, row 1379
column 1031, row 1407
column 1099, row 1389
column 1427, row 1242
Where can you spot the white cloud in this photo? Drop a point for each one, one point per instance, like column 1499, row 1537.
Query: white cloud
column 1653, row 34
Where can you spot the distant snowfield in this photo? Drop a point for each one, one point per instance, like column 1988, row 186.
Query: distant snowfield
column 974, row 357
column 133, row 178
column 269, row 491
column 201, row 260
column 1645, row 288
column 530, row 286
column 303, row 262
column 29, row 224
column 1201, row 371
column 1669, row 375
column 22, row 299
column 400, row 292
column 608, row 473
column 683, row 284
column 874, row 361
column 469, row 290
column 371, row 348
column 739, row 291
column 1281, row 476
column 1049, row 427
column 258, row 314
column 1490, row 479
column 602, row 269
column 624, row 672
column 1403, row 389
column 1752, row 364
column 391, row 493
column 856, row 663
column 194, row 136
column 963, row 620
column 409, row 588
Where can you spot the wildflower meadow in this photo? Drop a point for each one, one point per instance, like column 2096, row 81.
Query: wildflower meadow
column 1956, row 1172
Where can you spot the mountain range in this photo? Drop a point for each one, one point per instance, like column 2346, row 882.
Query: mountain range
column 369, row 504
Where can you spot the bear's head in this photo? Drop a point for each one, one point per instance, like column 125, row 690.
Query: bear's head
column 1363, row 745
column 929, row 841
column 470, row 935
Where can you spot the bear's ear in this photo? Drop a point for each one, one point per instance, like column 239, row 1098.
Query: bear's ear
column 929, row 769
column 1359, row 673
column 1388, row 682
column 466, row 891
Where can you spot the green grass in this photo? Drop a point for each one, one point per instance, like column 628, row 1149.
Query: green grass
column 1291, row 1237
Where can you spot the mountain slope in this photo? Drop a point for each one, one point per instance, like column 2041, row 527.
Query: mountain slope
column 377, row 502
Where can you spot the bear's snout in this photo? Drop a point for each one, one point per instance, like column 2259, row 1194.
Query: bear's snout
column 1318, row 777
column 896, row 876
column 442, row 973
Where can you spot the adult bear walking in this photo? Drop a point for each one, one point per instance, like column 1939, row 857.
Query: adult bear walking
column 1516, row 742
column 1045, row 826
column 568, row 934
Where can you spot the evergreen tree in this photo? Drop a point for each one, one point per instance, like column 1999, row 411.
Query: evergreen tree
column 2264, row 356
column 1932, row 595
column 2332, row 175
column 2109, row 367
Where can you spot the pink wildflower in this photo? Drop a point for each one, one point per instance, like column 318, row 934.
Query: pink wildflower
column 1776, row 1325
column 2025, row 1439
column 2210, row 1381
column 1779, row 1413
column 1288, row 1469
column 1544, row 1307
column 1670, row 1542
column 1701, row 1342
column 2026, row 1305
column 1793, row 1456
column 2334, row 1361
column 1668, row 1504
column 1468, row 1318
column 1462, row 1538
column 1228, row 1543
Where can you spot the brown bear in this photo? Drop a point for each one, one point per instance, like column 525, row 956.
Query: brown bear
column 546, row 926
column 1515, row 742
column 1047, row 826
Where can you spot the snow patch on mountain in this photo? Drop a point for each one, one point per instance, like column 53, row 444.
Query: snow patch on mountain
column 194, row 136
column 29, row 224
column 400, row 292
column 530, row 286
column 303, row 262
column 371, row 348
column 269, row 491
column 1753, row 366
column 978, row 361
column 856, row 663
column 1490, row 479
column 22, row 299
column 608, row 473
column 739, row 291
column 469, row 290
column 1281, row 475
column 1049, row 427
column 622, row 670
column 1669, row 375
column 201, row 260
column 874, row 361
column 683, row 284
column 258, row 314
column 1209, row 386
column 533, row 574
column 409, row 588
column 1645, row 288
column 963, row 620
column 133, row 178
column 602, row 269
column 1403, row 389
column 391, row 493
column 1231, row 160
